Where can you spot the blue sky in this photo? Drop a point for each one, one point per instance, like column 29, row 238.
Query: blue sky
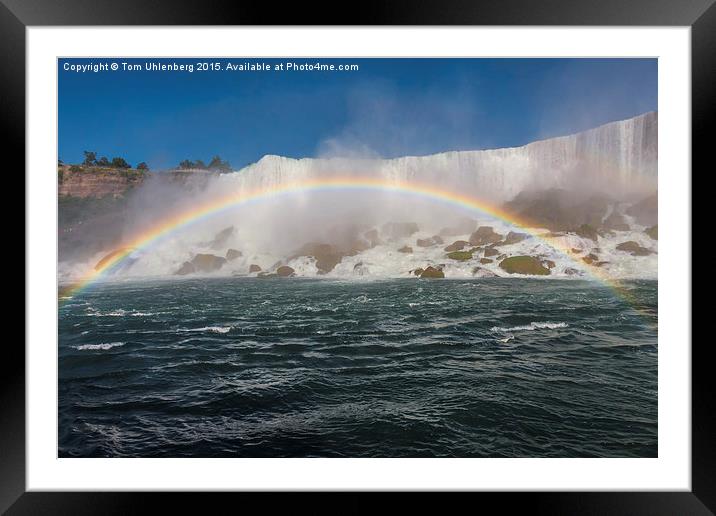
column 389, row 107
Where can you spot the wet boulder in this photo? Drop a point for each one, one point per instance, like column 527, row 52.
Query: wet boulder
column 485, row 235
column 653, row 232
column 208, row 262
column 514, row 238
column 233, row 254
column 405, row 249
column 485, row 260
column 254, row 268
column 491, row 252
column 524, row 265
column 285, row 271
column 186, row 268
column 587, row 231
column 460, row 256
column 634, row 248
column 481, row 272
column 432, row 272
column 429, row 242
column 457, row 245
column 417, row 272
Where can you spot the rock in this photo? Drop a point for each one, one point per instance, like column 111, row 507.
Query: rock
column 514, row 238
column 254, row 268
column 457, row 245
column 590, row 259
column 569, row 271
column 417, row 271
column 481, row 272
column 560, row 209
column 285, row 271
column 616, row 221
column 653, row 232
column 186, row 268
column 267, row 275
column 396, row 230
column 460, row 255
column 233, row 254
column 326, row 255
column 549, row 264
column 634, row 249
column 432, row 272
column 221, row 237
column 405, row 249
column 575, row 251
column 646, row 211
column 491, row 252
column 484, row 235
column 523, row 265
column 587, row 231
column 208, row 262
column 600, row 264
column 485, row 260
column 429, row 242
column 464, row 226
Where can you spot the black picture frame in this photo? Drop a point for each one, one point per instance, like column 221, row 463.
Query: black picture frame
column 700, row 15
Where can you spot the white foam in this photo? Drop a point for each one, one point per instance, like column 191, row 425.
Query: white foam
column 103, row 347
column 531, row 327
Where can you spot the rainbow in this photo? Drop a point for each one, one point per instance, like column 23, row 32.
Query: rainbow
column 215, row 206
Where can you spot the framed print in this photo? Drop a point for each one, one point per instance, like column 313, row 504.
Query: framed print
column 439, row 250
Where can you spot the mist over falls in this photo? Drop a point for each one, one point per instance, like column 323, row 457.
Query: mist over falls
column 590, row 193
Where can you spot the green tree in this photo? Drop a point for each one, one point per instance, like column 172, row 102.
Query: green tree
column 90, row 158
column 200, row 164
column 142, row 166
column 217, row 163
column 103, row 162
column 186, row 164
column 120, row 163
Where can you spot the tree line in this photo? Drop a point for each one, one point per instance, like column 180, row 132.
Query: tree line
column 216, row 163
column 117, row 162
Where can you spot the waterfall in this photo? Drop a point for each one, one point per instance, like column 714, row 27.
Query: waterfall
column 617, row 158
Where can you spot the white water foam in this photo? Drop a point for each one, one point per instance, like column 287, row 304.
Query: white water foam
column 531, row 327
column 103, row 347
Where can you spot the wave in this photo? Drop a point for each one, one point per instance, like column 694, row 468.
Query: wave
column 210, row 329
column 103, row 346
column 531, row 327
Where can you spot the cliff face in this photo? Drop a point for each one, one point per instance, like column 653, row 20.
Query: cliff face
column 97, row 182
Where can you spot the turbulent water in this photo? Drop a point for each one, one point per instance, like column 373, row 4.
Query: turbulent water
column 244, row 367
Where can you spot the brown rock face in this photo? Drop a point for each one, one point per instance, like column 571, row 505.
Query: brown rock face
column 485, row 235
column 491, row 252
column 587, row 231
column 326, row 255
column 405, row 249
column 429, row 242
column 646, row 211
column 481, row 272
column 208, row 262
column 432, row 272
column 653, row 232
column 186, row 268
column 634, row 249
column 485, row 260
column 233, row 254
column 285, row 271
column 549, row 264
column 97, row 182
column 524, row 265
column 254, row 268
column 458, row 245
column 417, row 271
column 590, row 259
column 514, row 238
column 221, row 237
